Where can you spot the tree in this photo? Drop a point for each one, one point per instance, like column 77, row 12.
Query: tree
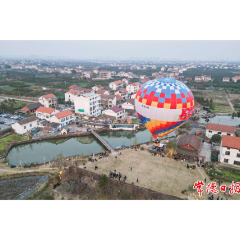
column 172, row 146
column 216, row 138
column 74, row 71
column 103, row 181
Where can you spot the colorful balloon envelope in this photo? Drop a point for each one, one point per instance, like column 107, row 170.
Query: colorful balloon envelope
column 163, row 105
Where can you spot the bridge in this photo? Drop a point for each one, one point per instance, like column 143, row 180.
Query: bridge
column 103, row 141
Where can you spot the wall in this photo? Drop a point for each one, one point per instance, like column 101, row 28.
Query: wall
column 116, row 183
column 232, row 157
column 209, row 135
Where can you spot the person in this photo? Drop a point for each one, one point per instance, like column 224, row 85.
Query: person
column 131, row 168
column 137, row 179
column 120, row 153
column 205, row 180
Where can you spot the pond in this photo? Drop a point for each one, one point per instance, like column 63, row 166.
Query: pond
column 223, row 120
column 46, row 150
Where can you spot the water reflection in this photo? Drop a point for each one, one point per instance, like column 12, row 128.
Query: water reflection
column 46, row 150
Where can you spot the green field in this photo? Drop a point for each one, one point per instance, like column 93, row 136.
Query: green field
column 8, row 140
column 7, row 88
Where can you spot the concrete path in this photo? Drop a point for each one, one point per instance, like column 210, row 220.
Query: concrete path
column 19, row 99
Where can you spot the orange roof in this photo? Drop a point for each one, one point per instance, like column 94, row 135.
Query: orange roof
column 63, row 114
column 220, row 128
column 231, row 142
column 45, row 110
column 123, row 90
column 73, row 92
column 118, row 81
column 49, row 96
column 118, row 96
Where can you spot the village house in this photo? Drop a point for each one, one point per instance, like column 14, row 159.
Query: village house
column 130, row 104
column 189, row 145
column 108, row 101
column 133, row 87
column 30, row 108
column 25, row 125
column 49, row 100
column 203, row 78
column 97, row 87
column 46, row 113
column 102, row 91
column 73, row 86
column 236, row 78
column 116, row 85
column 213, row 128
column 230, row 150
column 116, row 112
column 64, row 118
column 123, row 93
column 69, row 96
column 226, row 79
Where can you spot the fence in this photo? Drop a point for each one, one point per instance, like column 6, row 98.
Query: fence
column 115, row 183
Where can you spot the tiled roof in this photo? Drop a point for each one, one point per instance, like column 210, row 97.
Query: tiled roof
column 27, row 120
column 116, row 109
column 63, row 114
column 123, row 91
column 231, row 142
column 131, row 101
column 33, row 105
column 192, row 140
column 118, row 97
column 45, row 110
column 101, row 91
column 49, row 96
column 104, row 96
column 73, row 92
column 220, row 128
column 117, row 82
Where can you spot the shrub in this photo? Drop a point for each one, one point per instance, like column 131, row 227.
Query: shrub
column 142, row 148
column 103, row 181
column 68, row 189
column 216, row 138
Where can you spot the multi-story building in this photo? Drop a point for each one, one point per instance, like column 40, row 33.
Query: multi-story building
column 116, row 85
column 88, row 104
column 230, row 150
column 105, row 74
column 108, row 101
column 130, row 104
column 49, row 100
column 213, row 128
column 123, row 93
column 46, row 113
column 69, row 96
column 133, row 87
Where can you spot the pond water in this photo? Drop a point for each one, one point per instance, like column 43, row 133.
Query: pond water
column 223, row 120
column 46, row 150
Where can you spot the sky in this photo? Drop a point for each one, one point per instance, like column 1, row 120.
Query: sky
column 123, row 50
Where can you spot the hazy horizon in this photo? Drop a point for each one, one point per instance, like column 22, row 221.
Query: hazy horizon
column 123, row 50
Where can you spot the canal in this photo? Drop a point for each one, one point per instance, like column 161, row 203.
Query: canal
column 45, row 151
column 223, row 120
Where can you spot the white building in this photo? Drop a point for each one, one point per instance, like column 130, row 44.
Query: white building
column 25, row 125
column 133, row 87
column 226, row 79
column 69, row 96
column 64, row 118
column 125, row 82
column 130, row 104
column 97, row 87
column 49, row 100
column 46, row 113
column 88, row 104
column 105, row 74
column 116, row 85
column 230, row 150
column 116, row 112
column 213, row 128
column 123, row 93
column 133, row 96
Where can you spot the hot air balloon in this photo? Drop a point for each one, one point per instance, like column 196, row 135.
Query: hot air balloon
column 163, row 105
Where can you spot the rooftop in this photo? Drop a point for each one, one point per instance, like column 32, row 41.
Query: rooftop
column 45, row 110
column 49, row 96
column 117, row 109
column 63, row 114
column 231, row 142
column 192, row 140
column 27, row 120
column 220, row 128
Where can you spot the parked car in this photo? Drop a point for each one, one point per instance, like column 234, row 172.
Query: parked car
column 7, row 123
column 1, row 122
column 12, row 117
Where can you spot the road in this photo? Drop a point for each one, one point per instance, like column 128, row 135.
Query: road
column 19, row 99
column 229, row 102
